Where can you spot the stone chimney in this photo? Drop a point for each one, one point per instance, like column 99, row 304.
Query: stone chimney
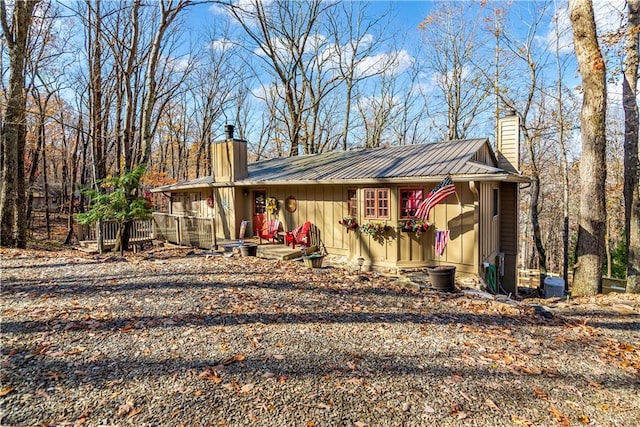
column 229, row 158
column 508, row 142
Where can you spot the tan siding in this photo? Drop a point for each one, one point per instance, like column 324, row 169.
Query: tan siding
column 489, row 225
column 509, row 234
column 508, row 147
column 229, row 160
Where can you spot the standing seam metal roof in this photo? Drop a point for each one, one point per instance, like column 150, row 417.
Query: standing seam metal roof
column 455, row 158
column 419, row 160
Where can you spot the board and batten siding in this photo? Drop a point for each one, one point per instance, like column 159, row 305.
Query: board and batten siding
column 322, row 205
column 489, row 233
column 456, row 214
column 509, row 234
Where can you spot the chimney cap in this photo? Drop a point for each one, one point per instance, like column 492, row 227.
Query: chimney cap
column 228, row 131
column 509, row 112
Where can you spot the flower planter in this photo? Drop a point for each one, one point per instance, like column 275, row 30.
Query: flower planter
column 313, row 261
column 443, row 278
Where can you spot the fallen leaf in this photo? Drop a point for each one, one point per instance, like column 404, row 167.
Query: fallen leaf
column 540, row 393
column 491, row 404
column 125, row 408
column 584, row 419
column 561, row 418
column 6, row 390
column 310, row 423
column 361, row 424
column 134, row 412
column 521, row 421
column 279, row 356
column 210, row 374
column 247, row 388
column 406, row 406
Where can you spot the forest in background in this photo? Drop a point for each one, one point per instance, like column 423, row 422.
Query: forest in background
column 112, row 85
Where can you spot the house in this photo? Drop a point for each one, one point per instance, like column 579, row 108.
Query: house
column 382, row 185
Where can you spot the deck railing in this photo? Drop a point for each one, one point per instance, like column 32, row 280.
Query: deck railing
column 141, row 231
column 191, row 231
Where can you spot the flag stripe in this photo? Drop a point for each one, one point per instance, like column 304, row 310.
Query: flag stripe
column 437, row 195
column 442, row 238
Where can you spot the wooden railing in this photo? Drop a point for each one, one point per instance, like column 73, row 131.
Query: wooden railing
column 191, row 231
column 141, row 231
column 531, row 278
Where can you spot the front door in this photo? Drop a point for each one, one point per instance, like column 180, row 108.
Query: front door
column 259, row 212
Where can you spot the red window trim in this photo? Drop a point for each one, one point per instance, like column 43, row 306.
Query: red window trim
column 401, row 207
column 376, row 203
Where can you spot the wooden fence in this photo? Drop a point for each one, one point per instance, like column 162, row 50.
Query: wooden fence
column 531, row 278
column 191, row 231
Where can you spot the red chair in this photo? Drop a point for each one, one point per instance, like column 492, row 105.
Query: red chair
column 299, row 236
column 272, row 231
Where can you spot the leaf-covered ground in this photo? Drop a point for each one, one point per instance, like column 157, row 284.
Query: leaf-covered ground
column 177, row 338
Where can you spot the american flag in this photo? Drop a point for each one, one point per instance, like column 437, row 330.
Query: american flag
column 442, row 237
column 437, row 195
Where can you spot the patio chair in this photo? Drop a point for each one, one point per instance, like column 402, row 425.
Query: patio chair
column 272, row 231
column 299, row 236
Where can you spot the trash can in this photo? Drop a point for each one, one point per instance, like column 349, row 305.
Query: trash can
column 553, row 287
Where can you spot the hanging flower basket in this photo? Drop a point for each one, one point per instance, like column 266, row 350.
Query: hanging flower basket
column 349, row 223
column 414, row 226
column 374, row 229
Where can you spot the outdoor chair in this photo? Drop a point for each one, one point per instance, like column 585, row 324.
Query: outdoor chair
column 299, row 236
column 272, row 231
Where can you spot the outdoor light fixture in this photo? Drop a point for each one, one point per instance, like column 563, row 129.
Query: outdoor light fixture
column 246, row 193
column 360, row 263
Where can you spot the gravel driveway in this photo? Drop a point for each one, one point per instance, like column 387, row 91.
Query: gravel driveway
column 174, row 338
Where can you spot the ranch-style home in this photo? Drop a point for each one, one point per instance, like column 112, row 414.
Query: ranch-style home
column 380, row 187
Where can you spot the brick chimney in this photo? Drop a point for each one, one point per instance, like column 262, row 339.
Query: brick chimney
column 229, row 158
column 508, row 142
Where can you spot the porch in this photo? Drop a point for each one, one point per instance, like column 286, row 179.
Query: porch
column 189, row 231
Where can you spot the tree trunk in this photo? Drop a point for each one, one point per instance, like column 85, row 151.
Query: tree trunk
column 631, row 160
column 13, row 225
column 591, row 228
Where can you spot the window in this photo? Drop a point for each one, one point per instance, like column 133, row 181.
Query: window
column 495, row 202
column 410, row 199
column 376, row 203
column 352, row 203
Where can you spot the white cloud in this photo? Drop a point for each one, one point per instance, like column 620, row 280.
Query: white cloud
column 221, row 45
column 390, row 63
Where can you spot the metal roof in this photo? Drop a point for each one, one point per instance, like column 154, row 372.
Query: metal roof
column 398, row 163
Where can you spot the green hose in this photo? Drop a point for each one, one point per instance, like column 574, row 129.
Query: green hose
column 491, row 278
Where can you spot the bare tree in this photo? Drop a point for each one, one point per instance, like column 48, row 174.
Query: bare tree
column 283, row 32
column 13, row 226
column 526, row 100
column 353, row 55
column 169, row 11
column 452, row 47
column 590, row 245
column 631, row 161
